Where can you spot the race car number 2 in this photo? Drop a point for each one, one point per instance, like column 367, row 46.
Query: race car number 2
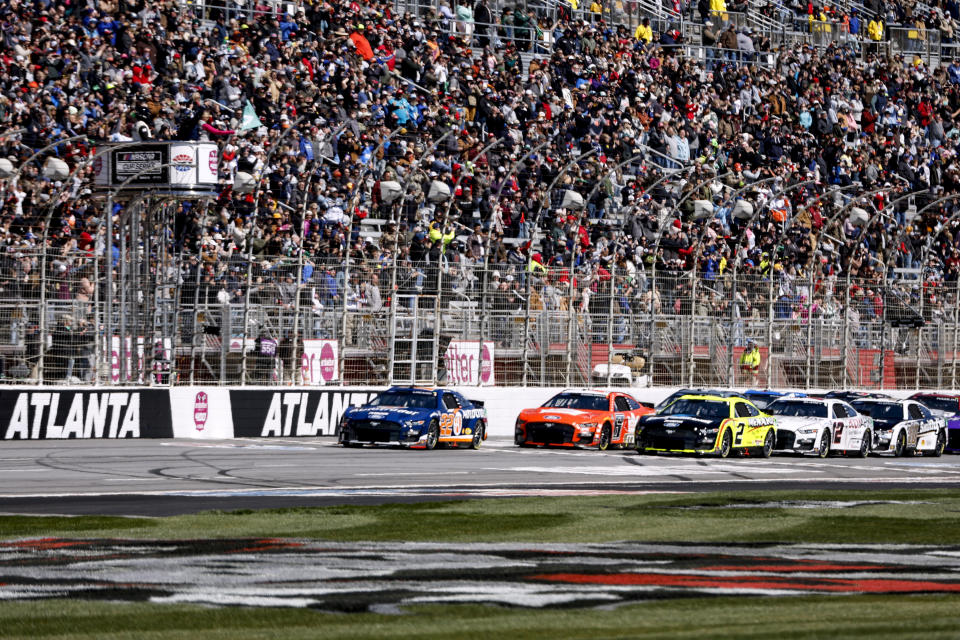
column 451, row 422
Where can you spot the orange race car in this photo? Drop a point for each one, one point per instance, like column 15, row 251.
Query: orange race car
column 595, row 419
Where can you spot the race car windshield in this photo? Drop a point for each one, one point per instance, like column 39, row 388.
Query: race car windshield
column 578, row 401
column 880, row 411
column 405, row 399
column 698, row 409
column 947, row 405
column 798, row 409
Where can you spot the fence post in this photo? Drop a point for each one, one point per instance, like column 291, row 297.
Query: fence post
column 295, row 338
column 770, row 318
column 846, row 332
column 916, row 381
column 438, row 317
column 956, row 326
column 393, row 321
column 526, row 325
column 809, row 345
column 883, row 336
column 613, row 289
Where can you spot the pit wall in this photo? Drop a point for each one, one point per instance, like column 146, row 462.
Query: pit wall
column 219, row 412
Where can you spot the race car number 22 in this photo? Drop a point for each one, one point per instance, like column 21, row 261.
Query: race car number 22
column 451, row 422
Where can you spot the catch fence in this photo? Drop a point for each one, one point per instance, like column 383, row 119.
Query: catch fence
column 203, row 319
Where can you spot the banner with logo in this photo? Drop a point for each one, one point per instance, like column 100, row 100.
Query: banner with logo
column 201, row 413
column 263, row 413
column 55, row 415
column 320, row 363
column 468, row 363
column 133, row 361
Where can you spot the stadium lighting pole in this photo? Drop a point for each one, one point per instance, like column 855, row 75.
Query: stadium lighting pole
column 484, row 285
column 576, row 244
column 258, row 180
column 661, row 228
column 36, row 154
column 863, row 198
column 408, row 178
column 407, row 183
column 294, row 363
column 736, row 260
column 108, row 250
column 925, row 255
column 533, row 235
column 956, row 322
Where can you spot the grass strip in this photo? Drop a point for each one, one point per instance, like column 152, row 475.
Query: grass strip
column 925, row 516
column 792, row 618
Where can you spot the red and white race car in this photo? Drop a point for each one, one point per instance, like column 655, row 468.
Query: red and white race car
column 820, row 426
column 595, row 419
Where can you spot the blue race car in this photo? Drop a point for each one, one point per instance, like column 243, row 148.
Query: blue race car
column 415, row 417
column 763, row 397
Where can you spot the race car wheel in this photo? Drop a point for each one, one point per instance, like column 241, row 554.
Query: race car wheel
column 478, row 436
column 937, row 450
column 726, row 444
column 865, row 445
column 767, row 449
column 433, row 435
column 352, row 445
column 604, row 442
column 824, row 450
column 900, row 448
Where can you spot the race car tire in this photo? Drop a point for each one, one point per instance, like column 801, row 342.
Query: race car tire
column 352, row 445
column 478, row 436
column 937, row 450
column 900, row 448
column 726, row 444
column 824, row 450
column 865, row 444
column 433, row 436
column 767, row 449
column 604, row 443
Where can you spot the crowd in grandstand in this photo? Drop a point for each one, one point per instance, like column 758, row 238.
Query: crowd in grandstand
column 723, row 165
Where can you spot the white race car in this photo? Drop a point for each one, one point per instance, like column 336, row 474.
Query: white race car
column 819, row 426
column 904, row 427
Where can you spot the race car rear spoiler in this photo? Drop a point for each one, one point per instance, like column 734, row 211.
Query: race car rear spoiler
column 646, row 405
column 477, row 403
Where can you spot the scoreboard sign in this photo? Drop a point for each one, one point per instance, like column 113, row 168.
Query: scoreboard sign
column 179, row 166
column 142, row 166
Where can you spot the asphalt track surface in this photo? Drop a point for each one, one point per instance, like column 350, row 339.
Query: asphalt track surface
column 167, row 477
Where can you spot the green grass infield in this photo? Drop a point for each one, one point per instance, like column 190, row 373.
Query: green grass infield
column 926, row 517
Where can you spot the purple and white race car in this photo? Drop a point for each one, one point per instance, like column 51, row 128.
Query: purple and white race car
column 947, row 407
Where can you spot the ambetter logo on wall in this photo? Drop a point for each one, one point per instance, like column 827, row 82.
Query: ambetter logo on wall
column 469, row 363
column 320, row 363
column 200, row 410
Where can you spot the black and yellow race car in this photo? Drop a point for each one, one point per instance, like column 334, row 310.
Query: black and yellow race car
column 708, row 424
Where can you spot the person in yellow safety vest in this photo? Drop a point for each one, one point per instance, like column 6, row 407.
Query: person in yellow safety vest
column 750, row 362
column 535, row 265
column 718, row 6
column 436, row 233
column 596, row 7
column 644, row 32
column 574, row 5
column 875, row 32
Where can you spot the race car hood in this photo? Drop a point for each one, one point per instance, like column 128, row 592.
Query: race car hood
column 553, row 414
column 394, row 414
column 677, row 422
column 795, row 423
